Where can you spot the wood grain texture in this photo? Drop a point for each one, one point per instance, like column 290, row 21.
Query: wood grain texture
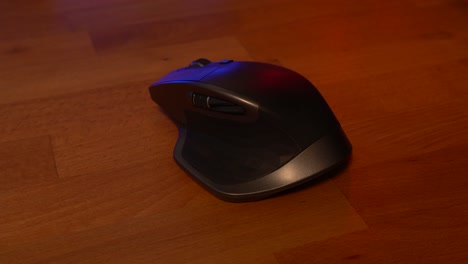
column 86, row 167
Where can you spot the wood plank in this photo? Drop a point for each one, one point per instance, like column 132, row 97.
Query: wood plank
column 422, row 181
column 396, row 92
column 174, row 31
column 435, row 129
column 89, row 14
column 403, row 55
column 26, row 161
column 395, row 244
column 50, row 49
column 26, row 19
column 229, row 21
column 206, row 227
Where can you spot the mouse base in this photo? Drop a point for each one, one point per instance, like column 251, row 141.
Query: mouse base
column 325, row 155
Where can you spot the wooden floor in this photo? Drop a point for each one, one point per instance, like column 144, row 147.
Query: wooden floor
column 86, row 167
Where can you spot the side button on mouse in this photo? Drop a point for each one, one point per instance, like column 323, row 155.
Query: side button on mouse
column 200, row 100
column 216, row 105
column 219, row 105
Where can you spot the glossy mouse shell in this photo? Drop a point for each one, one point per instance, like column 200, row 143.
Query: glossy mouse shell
column 248, row 130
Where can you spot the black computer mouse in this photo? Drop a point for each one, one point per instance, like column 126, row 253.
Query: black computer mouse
column 248, row 130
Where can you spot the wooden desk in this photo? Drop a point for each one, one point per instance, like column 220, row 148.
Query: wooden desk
column 86, row 167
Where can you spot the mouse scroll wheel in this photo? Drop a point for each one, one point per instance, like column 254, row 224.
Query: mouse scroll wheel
column 215, row 104
column 199, row 63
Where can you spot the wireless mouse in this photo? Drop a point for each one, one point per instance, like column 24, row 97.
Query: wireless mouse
column 248, row 130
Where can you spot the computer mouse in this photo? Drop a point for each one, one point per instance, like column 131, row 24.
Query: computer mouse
column 249, row 130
